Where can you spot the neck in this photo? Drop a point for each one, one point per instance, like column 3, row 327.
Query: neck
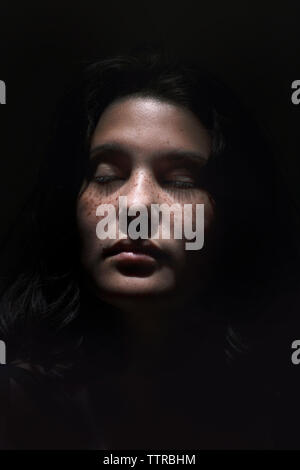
column 153, row 334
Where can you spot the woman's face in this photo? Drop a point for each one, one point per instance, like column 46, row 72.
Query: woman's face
column 152, row 152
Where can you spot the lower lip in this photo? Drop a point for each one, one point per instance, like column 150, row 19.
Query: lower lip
column 134, row 264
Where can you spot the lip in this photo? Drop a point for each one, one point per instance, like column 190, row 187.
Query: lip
column 132, row 250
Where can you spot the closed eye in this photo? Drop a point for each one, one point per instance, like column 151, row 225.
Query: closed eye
column 180, row 184
column 105, row 179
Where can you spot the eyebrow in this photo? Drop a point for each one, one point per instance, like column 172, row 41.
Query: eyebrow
column 176, row 154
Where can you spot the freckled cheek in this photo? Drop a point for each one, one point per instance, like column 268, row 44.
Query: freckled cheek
column 86, row 213
column 209, row 212
column 193, row 217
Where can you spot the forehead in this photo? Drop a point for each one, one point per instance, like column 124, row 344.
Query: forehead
column 149, row 124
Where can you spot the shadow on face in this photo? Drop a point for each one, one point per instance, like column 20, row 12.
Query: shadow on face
column 151, row 152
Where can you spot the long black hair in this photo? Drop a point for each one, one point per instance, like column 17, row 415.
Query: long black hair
column 42, row 297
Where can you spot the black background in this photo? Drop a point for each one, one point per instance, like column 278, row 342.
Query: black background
column 252, row 46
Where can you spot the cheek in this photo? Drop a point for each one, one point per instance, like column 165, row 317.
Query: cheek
column 87, row 205
column 86, row 222
column 209, row 211
column 86, row 210
column 186, row 258
column 196, row 218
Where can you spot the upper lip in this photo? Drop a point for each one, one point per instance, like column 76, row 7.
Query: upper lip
column 133, row 246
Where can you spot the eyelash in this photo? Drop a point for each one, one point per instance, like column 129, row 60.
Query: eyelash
column 106, row 179
column 175, row 185
column 181, row 184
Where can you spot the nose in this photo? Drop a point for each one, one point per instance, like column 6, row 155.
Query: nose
column 140, row 192
column 141, row 188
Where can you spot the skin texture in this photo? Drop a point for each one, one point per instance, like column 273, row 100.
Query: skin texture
column 150, row 132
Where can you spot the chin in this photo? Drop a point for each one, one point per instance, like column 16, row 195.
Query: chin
column 138, row 287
